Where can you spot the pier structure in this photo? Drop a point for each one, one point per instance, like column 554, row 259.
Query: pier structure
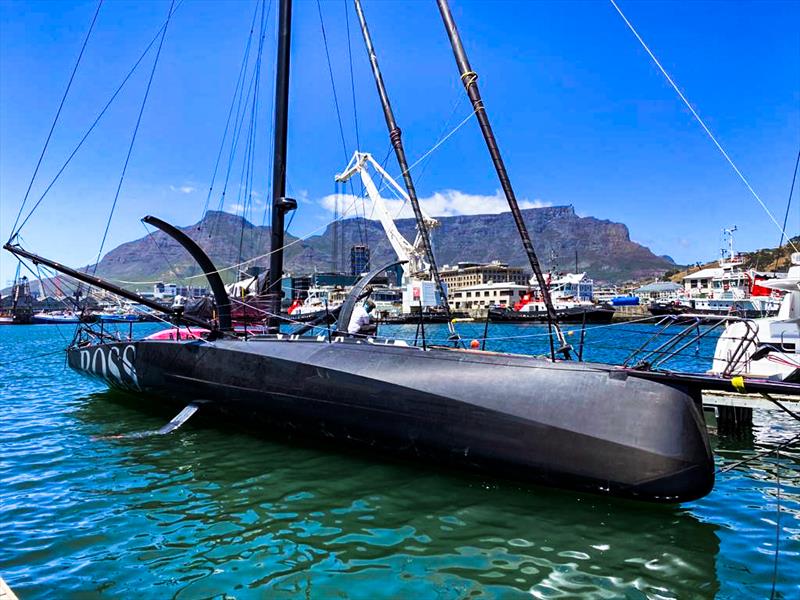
column 735, row 411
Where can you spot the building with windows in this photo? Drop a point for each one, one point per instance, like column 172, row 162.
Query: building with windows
column 700, row 284
column 168, row 291
column 359, row 259
column 465, row 274
column 658, row 291
column 478, row 298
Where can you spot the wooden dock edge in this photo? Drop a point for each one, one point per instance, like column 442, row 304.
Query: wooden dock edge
column 719, row 398
column 5, row 591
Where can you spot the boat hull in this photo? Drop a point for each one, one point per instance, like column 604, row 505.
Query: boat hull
column 594, row 315
column 568, row 425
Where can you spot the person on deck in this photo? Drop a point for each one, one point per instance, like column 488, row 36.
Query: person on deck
column 360, row 320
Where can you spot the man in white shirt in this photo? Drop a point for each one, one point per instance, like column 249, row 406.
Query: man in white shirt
column 360, row 320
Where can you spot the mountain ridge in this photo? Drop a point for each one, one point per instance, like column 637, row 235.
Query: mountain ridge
column 605, row 250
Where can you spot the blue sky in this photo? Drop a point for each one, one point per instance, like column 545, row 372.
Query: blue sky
column 582, row 115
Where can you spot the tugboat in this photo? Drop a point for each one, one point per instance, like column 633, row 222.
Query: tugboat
column 569, row 293
column 20, row 309
column 728, row 289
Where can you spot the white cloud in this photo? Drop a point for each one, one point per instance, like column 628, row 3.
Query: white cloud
column 183, row 189
column 236, row 209
column 448, row 203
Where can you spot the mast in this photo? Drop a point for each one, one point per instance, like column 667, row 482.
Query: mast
column 470, row 80
column 400, row 153
column 280, row 204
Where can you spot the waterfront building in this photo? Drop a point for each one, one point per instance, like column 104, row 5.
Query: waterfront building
column 466, row 274
column 606, row 293
column 478, row 298
column 658, row 291
column 164, row 291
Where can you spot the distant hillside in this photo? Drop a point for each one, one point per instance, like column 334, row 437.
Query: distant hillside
column 604, row 248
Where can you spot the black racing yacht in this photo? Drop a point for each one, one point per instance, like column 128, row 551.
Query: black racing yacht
column 546, row 420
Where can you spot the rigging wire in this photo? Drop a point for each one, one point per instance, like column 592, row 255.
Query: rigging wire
column 362, row 234
column 96, row 121
column 55, row 120
column 352, row 78
column 160, row 250
column 701, row 122
column 249, row 161
column 333, row 84
column 133, row 138
column 239, row 83
column 239, row 124
column 789, row 203
column 352, row 207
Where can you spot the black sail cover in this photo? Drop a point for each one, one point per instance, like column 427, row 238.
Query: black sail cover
column 200, row 308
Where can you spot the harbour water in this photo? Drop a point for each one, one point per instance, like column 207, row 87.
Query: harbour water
column 209, row 511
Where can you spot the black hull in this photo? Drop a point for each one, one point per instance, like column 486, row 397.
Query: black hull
column 592, row 428
column 594, row 315
column 660, row 310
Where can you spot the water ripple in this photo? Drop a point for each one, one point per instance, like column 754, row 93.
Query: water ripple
column 208, row 512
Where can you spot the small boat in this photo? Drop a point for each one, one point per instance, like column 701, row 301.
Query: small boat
column 768, row 347
column 55, row 318
column 569, row 295
column 106, row 317
column 577, row 313
column 728, row 289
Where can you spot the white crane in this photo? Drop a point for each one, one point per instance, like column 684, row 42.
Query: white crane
column 417, row 264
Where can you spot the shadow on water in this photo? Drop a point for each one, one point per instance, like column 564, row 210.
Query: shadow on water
column 211, row 510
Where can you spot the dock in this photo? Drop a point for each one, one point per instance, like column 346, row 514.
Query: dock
column 727, row 399
column 5, row 591
column 735, row 411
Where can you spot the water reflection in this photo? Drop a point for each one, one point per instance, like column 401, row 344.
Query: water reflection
column 209, row 511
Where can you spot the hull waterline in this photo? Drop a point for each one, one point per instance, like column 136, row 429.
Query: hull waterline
column 592, row 428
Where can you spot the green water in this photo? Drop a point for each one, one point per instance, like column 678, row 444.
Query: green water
column 211, row 512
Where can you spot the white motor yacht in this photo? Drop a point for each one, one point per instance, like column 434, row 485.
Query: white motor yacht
column 766, row 347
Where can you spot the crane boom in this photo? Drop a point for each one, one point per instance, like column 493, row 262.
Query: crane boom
column 413, row 253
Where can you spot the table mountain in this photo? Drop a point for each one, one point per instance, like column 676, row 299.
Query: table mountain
column 605, row 249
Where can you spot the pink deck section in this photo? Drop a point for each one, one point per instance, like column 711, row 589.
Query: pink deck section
column 184, row 333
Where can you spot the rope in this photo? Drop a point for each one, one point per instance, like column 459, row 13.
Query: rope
column 246, row 178
column 133, row 139
column 96, row 121
column 701, row 122
column 55, row 120
column 469, row 78
column 160, row 249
